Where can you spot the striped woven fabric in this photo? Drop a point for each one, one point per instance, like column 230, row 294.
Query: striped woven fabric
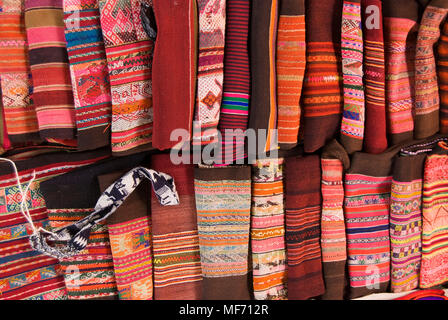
column 375, row 137
column 268, row 230
column 5, row 144
column 52, row 88
column 129, row 60
column 442, row 76
column 400, row 31
column 263, row 111
column 333, row 239
column 223, row 201
column 290, row 59
column 303, row 210
column 130, row 241
column 322, row 87
column 353, row 115
column 434, row 268
column 90, row 274
column 24, row 273
column 88, row 70
column 427, row 98
column 15, row 78
column 406, row 222
column 212, row 28
column 177, row 262
column 366, row 208
column 235, row 100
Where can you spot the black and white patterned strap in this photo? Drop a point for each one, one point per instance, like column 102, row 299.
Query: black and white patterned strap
column 419, row 148
column 74, row 238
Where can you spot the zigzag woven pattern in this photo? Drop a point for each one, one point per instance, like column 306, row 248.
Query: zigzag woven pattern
column 400, row 52
column 405, row 234
column 88, row 70
column 434, row 269
column 128, row 52
column 268, row 231
column 353, row 116
column 212, row 22
column 426, row 88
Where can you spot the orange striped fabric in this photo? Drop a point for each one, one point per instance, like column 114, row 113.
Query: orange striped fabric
column 15, row 79
column 291, row 59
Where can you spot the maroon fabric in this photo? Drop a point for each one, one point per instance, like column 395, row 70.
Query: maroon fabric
column 173, row 69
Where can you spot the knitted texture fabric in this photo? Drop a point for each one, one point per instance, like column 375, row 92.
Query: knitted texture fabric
column 427, row 98
column 90, row 274
column 129, row 59
column 366, row 208
column 442, row 75
column 212, row 27
column 406, row 222
column 15, row 78
column 375, row 137
column 303, row 210
column 130, row 241
column 52, row 88
column 88, row 70
column 25, row 273
column 434, row 268
column 177, row 262
column 353, row 115
column 322, row 87
column 400, row 31
column 174, row 69
column 235, row 100
column 263, row 111
column 334, row 161
column 268, row 230
column 223, row 201
column 290, row 65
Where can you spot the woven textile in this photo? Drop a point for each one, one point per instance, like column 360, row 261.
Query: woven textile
column 52, row 88
column 130, row 241
column 88, row 70
column 375, row 139
column 290, row 65
column 24, row 273
column 212, row 24
column 406, row 222
column 177, row 262
column 90, row 274
column 15, row 77
column 442, row 76
column 425, row 295
column 366, row 209
column 223, row 201
column 334, row 161
column 427, row 98
column 353, row 115
column 235, row 100
column 64, row 196
column 263, row 111
column 322, row 87
column 434, row 268
column 129, row 59
column 400, row 32
column 5, row 144
column 174, row 69
column 303, row 210
column 268, row 230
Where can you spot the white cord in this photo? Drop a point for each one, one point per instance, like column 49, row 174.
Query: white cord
column 23, row 206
